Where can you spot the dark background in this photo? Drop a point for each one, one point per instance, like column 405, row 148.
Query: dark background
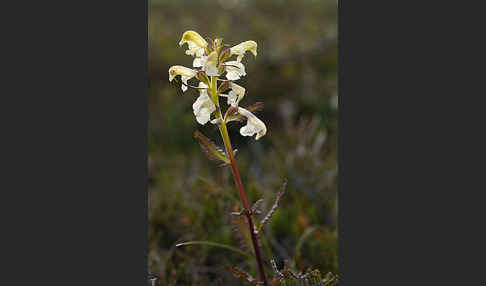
column 74, row 143
column 295, row 75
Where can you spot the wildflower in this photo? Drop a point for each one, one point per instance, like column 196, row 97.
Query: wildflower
column 195, row 43
column 203, row 107
column 241, row 49
column 185, row 73
column 235, row 95
column 234, row 70
column 253, row 125
column 209, row 61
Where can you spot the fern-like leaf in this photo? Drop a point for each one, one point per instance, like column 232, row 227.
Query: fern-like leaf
column 212, row 151
column 274, row 207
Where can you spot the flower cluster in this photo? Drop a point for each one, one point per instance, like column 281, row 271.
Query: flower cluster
column 212, row 61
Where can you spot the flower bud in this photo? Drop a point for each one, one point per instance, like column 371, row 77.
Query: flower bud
column 230, row 111
column 224, row 86
column 200, row 75
column 224, row 55
column 218, row 42
column 221, row 69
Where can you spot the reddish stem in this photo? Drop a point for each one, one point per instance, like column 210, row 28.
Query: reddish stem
column 241, row 189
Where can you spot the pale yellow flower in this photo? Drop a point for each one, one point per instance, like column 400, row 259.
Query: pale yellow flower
column 185, row 73
column 242, row 48
column 253, row 125
column 195, row 43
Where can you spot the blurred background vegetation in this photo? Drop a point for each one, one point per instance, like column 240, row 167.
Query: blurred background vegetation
column 190, row 197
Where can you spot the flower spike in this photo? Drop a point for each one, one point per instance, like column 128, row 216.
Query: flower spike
column 210, row 63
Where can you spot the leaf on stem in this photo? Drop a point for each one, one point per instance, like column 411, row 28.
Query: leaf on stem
column 239, row 225
column 210, row 149
column 274, row 207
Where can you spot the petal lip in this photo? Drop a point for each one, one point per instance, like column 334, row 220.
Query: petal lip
column 182, row 71
column 193, row 36
column 185, row 73
column 242, row 48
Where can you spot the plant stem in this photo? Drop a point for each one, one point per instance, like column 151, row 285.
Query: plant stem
column 236, row 175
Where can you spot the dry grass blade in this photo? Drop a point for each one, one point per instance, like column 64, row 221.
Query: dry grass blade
column 244, row 276
column 210, row 149
column 274, row 207
column 210, row 243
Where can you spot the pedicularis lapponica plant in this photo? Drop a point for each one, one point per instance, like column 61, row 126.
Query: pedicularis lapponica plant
column 212, row 61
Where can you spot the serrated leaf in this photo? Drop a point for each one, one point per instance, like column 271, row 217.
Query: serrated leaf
column 239, row 225
column 274, row 207
column 210, row 149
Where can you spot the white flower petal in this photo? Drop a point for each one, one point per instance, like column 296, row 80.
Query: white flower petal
column 203, row 85
column 253, row 125
column 234, row 70
column 236, row 94
column 232, row 99
column 203, row 106
column 198, row 62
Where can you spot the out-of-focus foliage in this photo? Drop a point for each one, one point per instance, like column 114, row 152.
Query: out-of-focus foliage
column 190, row 197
